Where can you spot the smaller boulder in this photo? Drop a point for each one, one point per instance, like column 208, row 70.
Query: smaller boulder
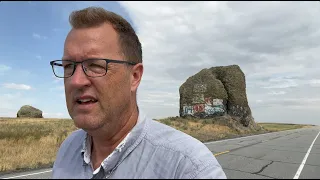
column 27, row 111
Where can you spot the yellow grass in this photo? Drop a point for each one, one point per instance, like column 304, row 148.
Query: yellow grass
column 205, row 130
column 31, row 143
column 282, row 127
column 200, row 129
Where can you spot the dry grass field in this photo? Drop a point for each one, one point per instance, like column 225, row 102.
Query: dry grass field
column 201, row 130
column 33, row 143
column 281, row 126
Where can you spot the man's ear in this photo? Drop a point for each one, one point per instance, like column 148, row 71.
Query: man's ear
column 136, row 76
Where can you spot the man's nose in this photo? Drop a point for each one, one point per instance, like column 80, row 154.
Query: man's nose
column 79, row 78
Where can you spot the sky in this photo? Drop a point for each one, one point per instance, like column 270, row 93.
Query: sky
column 276, row 44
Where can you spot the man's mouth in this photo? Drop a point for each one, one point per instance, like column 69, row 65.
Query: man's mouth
column 86, row 101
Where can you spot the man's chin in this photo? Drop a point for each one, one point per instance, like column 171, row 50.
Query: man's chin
column 87, row 123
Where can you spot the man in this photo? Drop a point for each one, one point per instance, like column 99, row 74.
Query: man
column 102, row 68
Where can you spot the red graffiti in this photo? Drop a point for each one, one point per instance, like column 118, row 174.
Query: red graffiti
column 198, row 108
column 208, row 100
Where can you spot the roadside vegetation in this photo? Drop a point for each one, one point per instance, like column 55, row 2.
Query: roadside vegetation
column 272, row 127
column 31, row 143
column 27, row 143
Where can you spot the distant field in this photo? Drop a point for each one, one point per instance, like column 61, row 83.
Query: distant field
column 33, row 143
column 204, row 131
column 282, row 126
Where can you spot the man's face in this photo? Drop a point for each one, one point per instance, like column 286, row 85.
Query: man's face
column 111, row 93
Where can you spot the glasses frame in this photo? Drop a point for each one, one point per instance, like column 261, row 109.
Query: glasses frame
column 83, row 68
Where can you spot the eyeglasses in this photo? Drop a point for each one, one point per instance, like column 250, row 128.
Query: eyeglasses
column 91, row 67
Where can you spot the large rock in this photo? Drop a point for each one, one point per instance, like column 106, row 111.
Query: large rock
column 27, row 111
column 217, row 91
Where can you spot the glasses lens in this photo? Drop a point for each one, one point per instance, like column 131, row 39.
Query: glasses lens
column 58, row 68
column 95, row 67
column 62, row 68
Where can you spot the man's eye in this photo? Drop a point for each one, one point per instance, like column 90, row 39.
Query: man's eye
column 68, row 66
column 96, row 66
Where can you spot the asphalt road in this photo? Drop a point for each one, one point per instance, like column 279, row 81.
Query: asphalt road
column 271, row 156
column 293, row 154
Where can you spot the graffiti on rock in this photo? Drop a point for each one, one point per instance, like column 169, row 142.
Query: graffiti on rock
column 217, row 102
column 198, row 108
column 201, row 106
column 210, row 110
column 187, row 110
column 204, row 106
column 208, row 101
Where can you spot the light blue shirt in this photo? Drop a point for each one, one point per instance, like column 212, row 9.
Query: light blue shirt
column 151, row 150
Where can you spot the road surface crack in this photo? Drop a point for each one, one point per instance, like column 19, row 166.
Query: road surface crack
column 262, row 169
column 249, row 173
column 256, row 143
column 262, row 159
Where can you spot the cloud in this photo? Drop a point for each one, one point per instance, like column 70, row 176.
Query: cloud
column 57, row 88
column 54, row 115
column 57, row 83
column 277, row 92
column 259, row 101
column 314, row 82
column 60, row 87
column 286, row 103
column 281, row 84
column 57, row 29
column 13, row 102
column 58, row 80
column 38, row 36
column 16, row 86
column 39, row 57
column 275, row 44
column 3, row 69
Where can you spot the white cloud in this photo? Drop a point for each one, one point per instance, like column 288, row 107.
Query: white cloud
column 56, row 29
column 274, row 43
column 259, row 101
column 314, row 82
column 39, row 57
column 54, row 115
column 57, row 80
column 13, row 102
column 282, row 84
column 16, row 86
column 57, row 88
column 38, row 36
column 60, row 87
column 4, row 68
column 277, row 92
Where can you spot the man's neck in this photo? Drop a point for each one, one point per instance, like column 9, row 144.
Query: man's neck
column 104, row 145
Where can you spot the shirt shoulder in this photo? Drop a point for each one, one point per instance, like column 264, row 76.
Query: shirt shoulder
column 69, row 154
column 163, row 135
column 73, row 141
column 197, row 162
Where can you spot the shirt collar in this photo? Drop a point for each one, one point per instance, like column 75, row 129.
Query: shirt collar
column 87, row 143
